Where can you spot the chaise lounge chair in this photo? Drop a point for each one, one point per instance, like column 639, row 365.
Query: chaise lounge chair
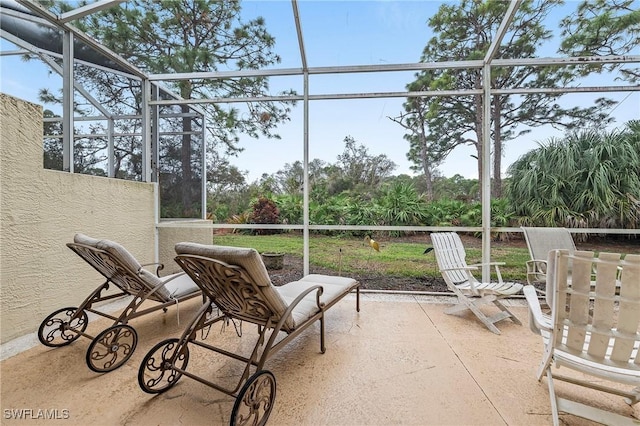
column 113, row 346
column 236, row 280
column 594, row 329
column 472, row 294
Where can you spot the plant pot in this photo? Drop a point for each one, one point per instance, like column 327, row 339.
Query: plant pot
column 273, row 260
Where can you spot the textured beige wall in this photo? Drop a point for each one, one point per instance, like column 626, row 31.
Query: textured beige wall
column 41, row 210
column 168, row 237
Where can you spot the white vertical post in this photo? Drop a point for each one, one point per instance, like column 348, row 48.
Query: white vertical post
column 155, row 134
column 305, row 193
column 204, row 168
column 111, row 150
column 146, row 130
column 486, row 137
column 67, row 102
column 486, row 172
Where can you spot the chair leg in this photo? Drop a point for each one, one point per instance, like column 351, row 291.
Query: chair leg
column 635, row 396
column 465, row 304
column 503, row 308
column 599, row 415
column 322, row 346
column 552, row 397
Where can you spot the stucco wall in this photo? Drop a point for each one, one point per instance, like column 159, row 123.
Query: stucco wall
column 168, row 236
column 41, row 210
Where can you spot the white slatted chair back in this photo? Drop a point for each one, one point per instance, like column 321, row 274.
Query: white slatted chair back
column 451, row 256
column 600, row 335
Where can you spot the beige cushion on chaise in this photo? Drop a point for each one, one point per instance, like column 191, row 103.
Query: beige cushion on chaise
column 170, row 287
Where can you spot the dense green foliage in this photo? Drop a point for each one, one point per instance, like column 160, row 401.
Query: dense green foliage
column 589, row 179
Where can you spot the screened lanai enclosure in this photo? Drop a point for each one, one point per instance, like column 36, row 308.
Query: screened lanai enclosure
column 203, row 96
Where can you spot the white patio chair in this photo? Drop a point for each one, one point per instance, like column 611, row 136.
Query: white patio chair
column 594, row 329
column 540, row 242
column 472, row 294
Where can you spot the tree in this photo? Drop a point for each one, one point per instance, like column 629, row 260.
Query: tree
column 423, row 145
column 603, row 27
column 291, row 178
column 457, row 188
column 589, row 179
column 356, row 169
column 464, row 30
column 227, row 192
column 185, row 36
column 52, row 142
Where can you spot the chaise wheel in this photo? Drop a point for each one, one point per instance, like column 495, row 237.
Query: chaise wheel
column 62, row 327
column 156, row 373
column 112, row 348
column 255, row 400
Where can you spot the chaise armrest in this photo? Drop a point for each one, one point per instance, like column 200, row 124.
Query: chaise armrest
column 160, row 267
column 473, row 267
column 461, row 268
column 293, row 305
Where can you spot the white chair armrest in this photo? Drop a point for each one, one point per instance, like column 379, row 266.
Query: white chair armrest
column 496, row 265
column 538, row 322
column 489, row 263
column 461, row 268
column 536, row 271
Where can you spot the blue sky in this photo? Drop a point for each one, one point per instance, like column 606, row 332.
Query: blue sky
column 338, row 33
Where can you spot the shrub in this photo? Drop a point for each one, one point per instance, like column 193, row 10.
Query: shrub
column 265, row 211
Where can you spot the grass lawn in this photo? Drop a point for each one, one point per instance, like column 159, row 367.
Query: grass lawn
column 397, row 256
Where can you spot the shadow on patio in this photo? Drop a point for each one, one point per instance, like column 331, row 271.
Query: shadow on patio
column 401, row 360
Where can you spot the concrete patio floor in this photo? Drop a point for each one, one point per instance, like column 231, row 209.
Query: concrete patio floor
column 400, row 360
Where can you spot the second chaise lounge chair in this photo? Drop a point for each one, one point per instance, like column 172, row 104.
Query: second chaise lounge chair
column 236, row 281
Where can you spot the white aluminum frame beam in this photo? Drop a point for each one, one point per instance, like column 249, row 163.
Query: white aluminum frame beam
column 305, row 140
column 93, row 101
column 431, row 93
column 146, row 131
column 418, row 66
column 88, row 9
column 203, row 181
column 485, row 164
